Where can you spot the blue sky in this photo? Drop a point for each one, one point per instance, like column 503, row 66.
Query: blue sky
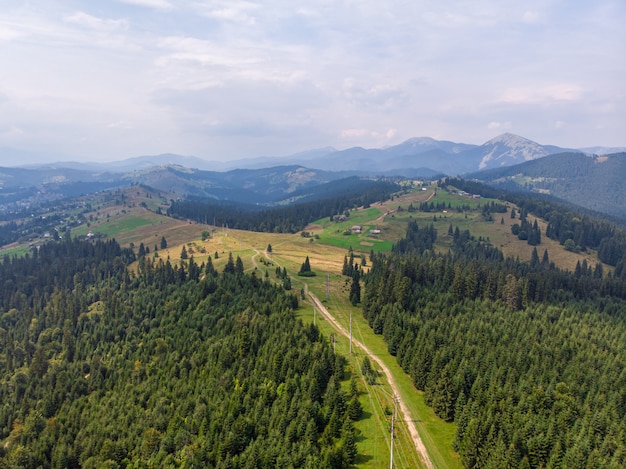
column 107, row 80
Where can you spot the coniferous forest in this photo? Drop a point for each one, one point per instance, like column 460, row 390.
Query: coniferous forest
column 168, row 366
column 528, row 360
column 342, row 195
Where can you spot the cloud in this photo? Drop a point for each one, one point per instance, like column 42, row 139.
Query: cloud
column 531, row 17
column 556, row 92
column 370, row 135
column 120, row 125
column 188, row 63
column 95, row 23
column 495, row 125
column 12, row 132
column 233, row 11
column 317, row 73
column 354, row 133
column 203, row 52
column 8, row 34
column 375, row 95
column 156, row 4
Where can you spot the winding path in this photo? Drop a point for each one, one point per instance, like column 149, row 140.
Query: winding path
column 417, row 440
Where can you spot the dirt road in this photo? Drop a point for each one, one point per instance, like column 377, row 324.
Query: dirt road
column 419, row 445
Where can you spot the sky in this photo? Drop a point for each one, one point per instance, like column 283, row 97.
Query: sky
column 222, row 80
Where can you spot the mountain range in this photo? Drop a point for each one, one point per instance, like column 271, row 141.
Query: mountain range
column 423, row 156
column 508, row 160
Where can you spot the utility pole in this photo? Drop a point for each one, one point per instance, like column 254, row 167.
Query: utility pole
column 350, row 332
column 393, row 418
column 314, row 316
column 328, row 286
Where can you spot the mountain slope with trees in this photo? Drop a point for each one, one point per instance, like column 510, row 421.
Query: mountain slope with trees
column 528, row 360
column 593, row 182
column 175, row 365
column 325, row 201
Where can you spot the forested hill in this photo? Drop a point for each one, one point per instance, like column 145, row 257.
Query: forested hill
column 528, row 360
column 328, row 200
column 596, row 183
column 567, row 225
column 174, row 366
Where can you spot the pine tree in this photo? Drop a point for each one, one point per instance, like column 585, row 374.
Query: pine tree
column 306, row 265
column 355, row 288
column 209, row 269
column 239, row 266
column 349, row 441
column 534, row 258
column 229, row 268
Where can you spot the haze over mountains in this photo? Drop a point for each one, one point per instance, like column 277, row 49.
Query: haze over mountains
column 417, row 156
column 507, row 160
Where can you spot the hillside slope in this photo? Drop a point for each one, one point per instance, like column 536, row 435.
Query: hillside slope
column 593, row 182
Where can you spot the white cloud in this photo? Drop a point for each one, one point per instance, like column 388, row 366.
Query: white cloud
column 93, row 22
column 8, row 34
column 120, row 125
column 531, row 17
column 391, row 133
column 156, row 4
column 499, row 126
column 234, row 11
column 12, row 132
column 556, row 92
column 189, row 49
column 563, row 92
column 303, row 72
column 353, row 133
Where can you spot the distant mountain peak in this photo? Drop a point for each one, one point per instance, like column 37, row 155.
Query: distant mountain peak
column 508, row 148
column 509, row 138
column 421, row 141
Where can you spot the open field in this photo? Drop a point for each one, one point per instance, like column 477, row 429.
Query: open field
column 392, row 216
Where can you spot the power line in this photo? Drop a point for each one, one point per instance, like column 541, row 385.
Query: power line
column 393, row 418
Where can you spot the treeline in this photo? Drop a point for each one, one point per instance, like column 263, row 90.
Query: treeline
column 288, row 219
column 528, row 360
column 8, row 233
column 172, row 366
column 26, row 282
column 416, row 240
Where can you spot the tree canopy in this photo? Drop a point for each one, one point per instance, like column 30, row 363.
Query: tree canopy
column 170, row 366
